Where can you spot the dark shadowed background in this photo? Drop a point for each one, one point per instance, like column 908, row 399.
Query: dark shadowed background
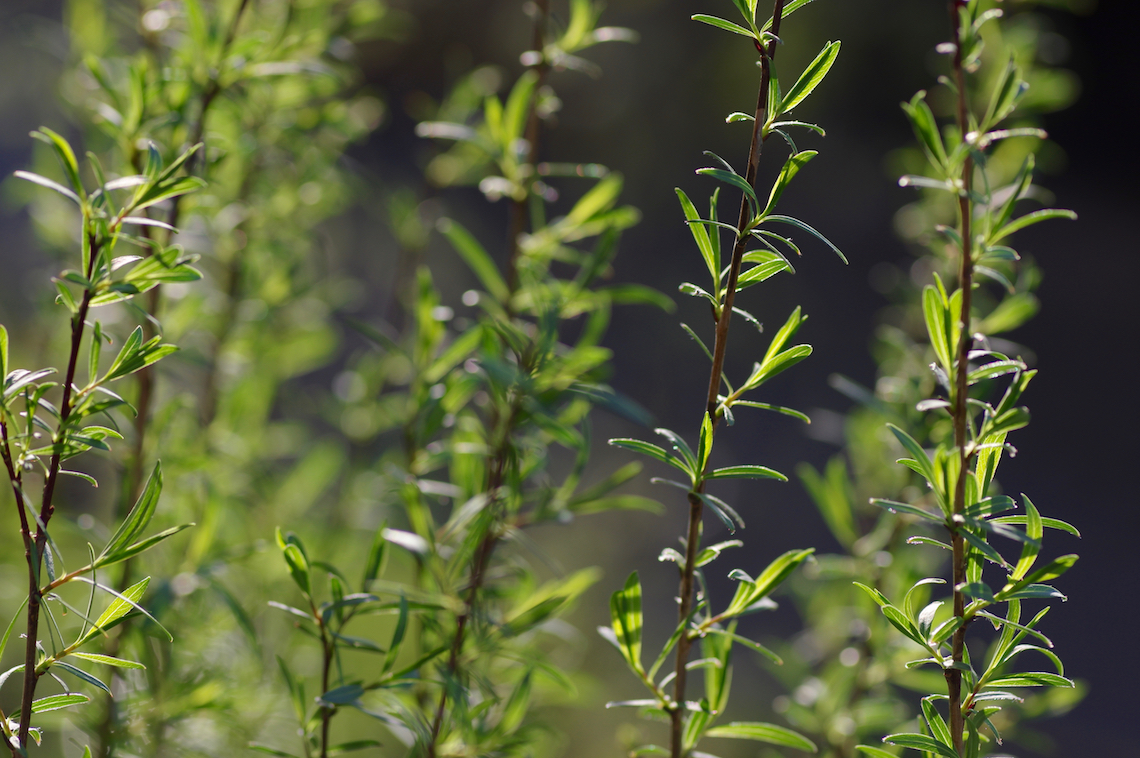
column 657, row 106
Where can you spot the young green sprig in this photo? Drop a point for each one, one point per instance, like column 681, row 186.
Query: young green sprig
column 26, row 414
column 961, row 472
column 481, row 404
column 691, row 722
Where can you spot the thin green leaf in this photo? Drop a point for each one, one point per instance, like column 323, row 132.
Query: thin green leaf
column 934, row 312
column 722, row 510
column 748, row 592
column 140, row 547
column 801, row 225
column 810, row 78
column 476, row 258
column 912, row 510
column 916, row 453
column 139, row 517
column 653, row 451
column 43, row 181
column 65, row 154
column 746, row 472
column 761, row 732
column 54, row 703
column 926, row 128
column 354, row 745
column 875, row 752
column 270, row 750
column 734, row 179
column 625, row 613
column 79, row 673
column 1034, row 530
column 789, row 9
column 108, row 660
column 124, row 603
column 700, row 235
column 1032, row 679
column 921, row 742
column 751, row 644
column 721, row 23
column 791, row 167
column 681, row 447
column 1030, row 219
column 1051, row 523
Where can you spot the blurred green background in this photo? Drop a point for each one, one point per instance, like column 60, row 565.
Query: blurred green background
column 656, row 106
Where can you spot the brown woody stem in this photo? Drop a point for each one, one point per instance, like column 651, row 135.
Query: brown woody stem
column 47, row 507
column 693, row 536
column 961, row 388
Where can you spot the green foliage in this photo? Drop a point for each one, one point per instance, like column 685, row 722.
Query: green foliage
column 867, row 691
column 401, row 604
column 27, row 413
column 479, row 407
column 692, row 721
column 260, row 85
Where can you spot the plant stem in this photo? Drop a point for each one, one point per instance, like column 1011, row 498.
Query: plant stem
column 326, row 710
column 693, row 535
column 478, row 567
column 498, row 470
column 25, row 532
column 533, row 127
column 47, row 506
column 961, row 388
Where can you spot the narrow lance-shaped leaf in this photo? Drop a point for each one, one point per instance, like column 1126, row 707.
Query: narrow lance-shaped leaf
column 761, row 732
column 43, row 181
column 749, row 592
column 748, row 471
column 789, row 9
column 476, row 258
column 297, row 561
column 706, row 444
column 625, row 612
column 780, row 219
column 721, row 23
column 166, row 190
column 653, row 451
column 700, row 235
column 136, row 355
column 922, row 742
column 130, row 551
column 934, row 311
column 53, row 703
column 926, row 128
column 119, row 607
column 139, row 516
column 515, row 112
column 810, row 78
column 1034, row 530
column 65, row 154
column 80, row 674
column 791, row 168
column 108, row 660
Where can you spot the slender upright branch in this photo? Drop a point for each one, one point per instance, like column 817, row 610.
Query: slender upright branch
column 47, row 506
column 693, row 535
column 14, row 477
column 533, row 132
column 767, row 55
column 498, row 467
column 328, row 651
column 961, row 384
column 483, row 554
